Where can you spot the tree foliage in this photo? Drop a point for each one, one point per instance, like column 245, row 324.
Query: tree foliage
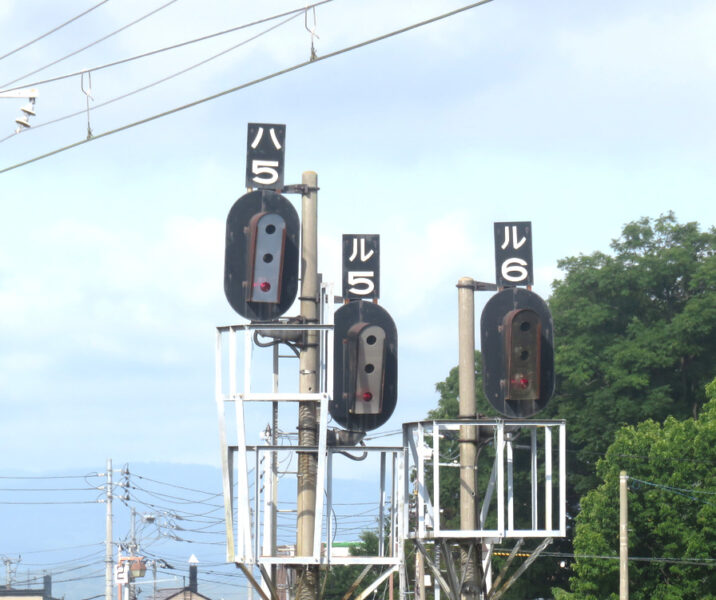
column 634, row 334
column 672, row 513
column 635, row 340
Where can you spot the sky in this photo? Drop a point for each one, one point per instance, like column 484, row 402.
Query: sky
column 576, row 116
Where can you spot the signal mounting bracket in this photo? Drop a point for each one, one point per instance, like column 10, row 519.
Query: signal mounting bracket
column 298, row 188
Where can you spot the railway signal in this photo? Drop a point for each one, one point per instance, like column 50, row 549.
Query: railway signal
column 261, row 259
column 517, row 352
column 365, row 366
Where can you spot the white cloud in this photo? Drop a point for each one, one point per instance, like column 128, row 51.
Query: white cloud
column 101, row 285
column 647, row 48
column 422, row 261
column 497, row 114
column 6, row 8
column 21, row 362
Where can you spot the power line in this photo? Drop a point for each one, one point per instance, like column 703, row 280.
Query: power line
column 636, row 456
column 181, row 487
column 703, row 562
column 161, row 496
column 29, row 579
column 673, row 489
column 174, row 512
column 295, row 11
column 49, row 476
column 63, row 548
column 85, row 578
column 384, row 434
column 102, row 39
column 91, row 489
column 44, row 35
column 186, row 516
column 248, row 84
column 60, row 563
column 686, row 493
column 67, row 502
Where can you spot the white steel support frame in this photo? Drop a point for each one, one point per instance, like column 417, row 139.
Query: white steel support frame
column 426, row 525
column 250, row 524
column 390, row 555
column 241, row 546
column 423, row 524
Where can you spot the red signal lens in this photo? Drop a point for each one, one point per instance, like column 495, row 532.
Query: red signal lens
column 366, row 396
column 264, row 286
column 522, row 382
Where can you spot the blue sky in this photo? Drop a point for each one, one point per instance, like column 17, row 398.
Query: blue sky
column 577, row 116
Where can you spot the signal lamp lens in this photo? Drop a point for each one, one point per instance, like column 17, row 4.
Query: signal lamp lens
column 264, row 286
column 521, row 382
column 367, row 396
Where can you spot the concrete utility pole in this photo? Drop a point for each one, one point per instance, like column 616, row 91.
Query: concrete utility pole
column 308, row 383
column 108, row 560
column 468, row 435
column 8, row 571
column 133, row 533
column 154, row 580
column 623, row 538
column 132, row 551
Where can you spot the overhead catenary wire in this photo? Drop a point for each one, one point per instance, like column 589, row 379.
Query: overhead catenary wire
column 83, row 48
column 248, row 84
column 295, row 11
column 53, row 30
column 154, row 83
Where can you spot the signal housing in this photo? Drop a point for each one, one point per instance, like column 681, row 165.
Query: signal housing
column 365, row 366
column 261, row 256
column 517, row 352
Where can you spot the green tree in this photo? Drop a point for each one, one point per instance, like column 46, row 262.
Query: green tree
column 634, row 339
column 634, row 335
column 672, row 513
